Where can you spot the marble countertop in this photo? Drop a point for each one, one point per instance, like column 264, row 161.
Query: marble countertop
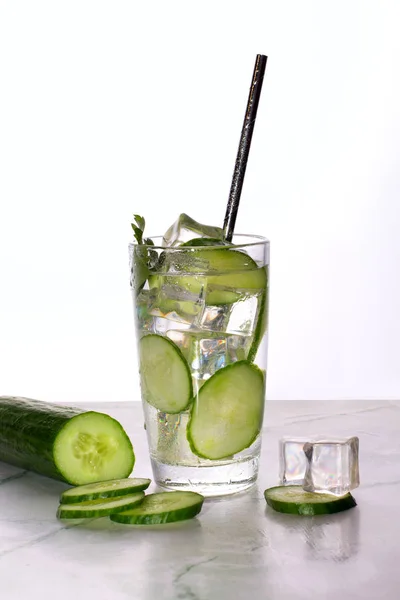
column 237, row 548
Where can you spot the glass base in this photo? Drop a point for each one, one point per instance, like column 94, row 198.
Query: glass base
column 218, row 480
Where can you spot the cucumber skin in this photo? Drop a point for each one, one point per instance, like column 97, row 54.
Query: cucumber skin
column 104, row 495
column 262, row 322
column 173, row 516
column 308, row 509
column 28, row 431
column 92, row 513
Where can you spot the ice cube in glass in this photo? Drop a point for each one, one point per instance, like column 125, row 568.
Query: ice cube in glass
column 185, row 229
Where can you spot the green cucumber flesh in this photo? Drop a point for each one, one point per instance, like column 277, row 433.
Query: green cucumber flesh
column 104, row 489
column 292, row 499
column 165, row 377
column 65, row 443
column 225, row 274
column 102, row 507
column 164, row 507
column 227, row 415
column 206, row 242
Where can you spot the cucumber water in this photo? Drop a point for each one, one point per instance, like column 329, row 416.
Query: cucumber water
column 201, row 327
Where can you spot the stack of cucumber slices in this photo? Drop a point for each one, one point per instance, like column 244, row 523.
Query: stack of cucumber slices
column 124, row 501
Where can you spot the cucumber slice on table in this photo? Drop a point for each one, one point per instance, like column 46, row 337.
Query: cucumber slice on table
column 104, row 489
column 98, row 508
column 294, row 500
column 165, row 377
column 165, row 507
column 228, row 414
column 223, row 272
column 61, row 442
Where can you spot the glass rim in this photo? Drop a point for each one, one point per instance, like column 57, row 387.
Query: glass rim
column 260, row 241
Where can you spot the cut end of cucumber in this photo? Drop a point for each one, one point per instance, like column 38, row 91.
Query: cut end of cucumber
column 93, row 447
column 163, row 507
column 292, row 499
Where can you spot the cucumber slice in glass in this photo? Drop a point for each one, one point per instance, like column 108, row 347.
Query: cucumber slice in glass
column 261, row 325
column 292, row 499
column 206, row 242
column 98, row 508
column 104, row 489
column 235, row 272
column 165, row 507
column 165, row 377
column 228, row 414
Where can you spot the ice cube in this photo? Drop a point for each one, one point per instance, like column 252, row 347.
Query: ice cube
column 177, row 304
column 239, row 317
column 332, row 466
column 238, row 347
column 292, row 461
column 185, row 229
column 324, row 465
column 142, row 306
column 214, row 318
column 243, row 313
column 205, row 353
column 208, row 355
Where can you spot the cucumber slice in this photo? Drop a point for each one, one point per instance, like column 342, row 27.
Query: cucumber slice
column 262, row 322
column 165, row 507
column 293, row 499
column 224, row 273
column 165, row 377
column 104, row 489
column 206, row 242
column 98, row 508
column 228, row 414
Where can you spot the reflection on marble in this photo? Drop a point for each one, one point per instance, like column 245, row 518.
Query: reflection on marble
column 238, row 548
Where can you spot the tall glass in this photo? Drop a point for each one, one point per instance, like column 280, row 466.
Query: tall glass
column 201, row 316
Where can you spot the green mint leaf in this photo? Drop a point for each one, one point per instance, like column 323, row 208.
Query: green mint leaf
column 140, row 222
column 138, row 233
column 148, row 242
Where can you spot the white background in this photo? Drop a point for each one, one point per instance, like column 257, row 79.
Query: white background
column 110, row 108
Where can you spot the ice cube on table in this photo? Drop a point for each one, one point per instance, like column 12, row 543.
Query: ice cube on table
column 321, row 465
column 292, row 461
column 185, row 229
column 332, row 466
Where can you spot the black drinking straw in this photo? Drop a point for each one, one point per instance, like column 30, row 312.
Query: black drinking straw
column 244, row 146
